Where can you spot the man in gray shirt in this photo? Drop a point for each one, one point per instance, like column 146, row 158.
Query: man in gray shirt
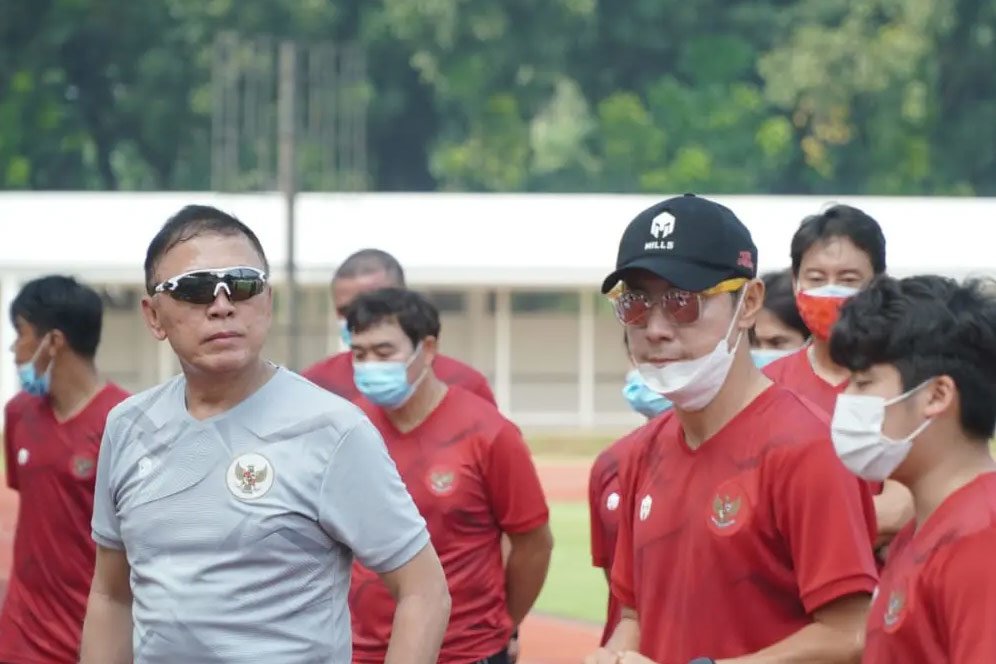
column 231, row 500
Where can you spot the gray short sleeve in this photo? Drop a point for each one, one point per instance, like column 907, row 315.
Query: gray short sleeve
column 105, row 524
column 365, row 505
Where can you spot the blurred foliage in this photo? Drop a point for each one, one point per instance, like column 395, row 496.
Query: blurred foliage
column 724, row 96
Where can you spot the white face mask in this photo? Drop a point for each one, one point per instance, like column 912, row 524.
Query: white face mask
column 692, row 384
column 857, row 435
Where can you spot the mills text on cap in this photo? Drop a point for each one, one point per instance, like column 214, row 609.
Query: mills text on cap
column 690, row 242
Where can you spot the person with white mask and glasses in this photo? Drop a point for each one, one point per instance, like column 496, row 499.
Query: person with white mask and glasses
column 920, row 409
column 834, row 255
column 742, row 538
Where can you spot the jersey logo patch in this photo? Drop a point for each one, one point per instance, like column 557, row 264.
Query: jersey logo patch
column 83, row 467
column 442, row 481
column 645, row 506
column 249, row 476
column 895, row 611
column 729, row 510
column 22, row 456
column 612, row 503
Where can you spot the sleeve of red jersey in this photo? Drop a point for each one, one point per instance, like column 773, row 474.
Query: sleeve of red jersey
column 819, row 510
column 516, row 493
column 621, row 576
column 596, row 483
column 9, row 456
column 967, row 587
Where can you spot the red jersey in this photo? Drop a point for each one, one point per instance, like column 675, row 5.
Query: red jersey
column 729, row 548
column 52, row 465
column 603, row 503
column 472, row 477
column 937, row 599
column 796, row 373
column 335, row 374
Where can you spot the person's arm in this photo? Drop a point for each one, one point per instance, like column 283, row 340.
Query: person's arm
column 525, row 572
column 520, row 509
column 836, row 636
column 893, row 510
column 364, row 504
column 107, row 627
column 423, row 609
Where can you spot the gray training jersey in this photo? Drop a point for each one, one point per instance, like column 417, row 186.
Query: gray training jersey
column 241, row 529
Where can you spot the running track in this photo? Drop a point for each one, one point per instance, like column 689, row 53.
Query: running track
column 545, row 640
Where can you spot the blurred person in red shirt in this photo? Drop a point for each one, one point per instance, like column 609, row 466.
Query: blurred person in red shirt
column 364, row 271
column 742, row 537
column 920, row 408
column 834, row 255
column 52, row 434
column 468, row 470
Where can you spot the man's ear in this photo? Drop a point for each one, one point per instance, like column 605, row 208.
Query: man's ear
column 753, row 302
column 150, row 313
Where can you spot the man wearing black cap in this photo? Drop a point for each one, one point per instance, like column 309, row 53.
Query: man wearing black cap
column 742, row 537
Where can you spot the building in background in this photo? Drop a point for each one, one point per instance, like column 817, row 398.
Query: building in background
column 516, row 276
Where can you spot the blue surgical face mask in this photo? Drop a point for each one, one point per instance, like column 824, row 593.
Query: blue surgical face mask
column 764, row 356
column 344, row 335
column 386, row 383
column 641, row 398
column 31, row 382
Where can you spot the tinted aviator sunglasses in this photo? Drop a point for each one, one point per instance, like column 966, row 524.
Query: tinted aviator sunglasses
column 632, row 307
column 203, row 286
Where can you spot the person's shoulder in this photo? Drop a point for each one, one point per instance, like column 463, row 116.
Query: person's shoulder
column 623, row 445
column 784, row 426
column 21, row 402
column 450, row 367
column 322, row 367
column 143, row 404
column 298, row 394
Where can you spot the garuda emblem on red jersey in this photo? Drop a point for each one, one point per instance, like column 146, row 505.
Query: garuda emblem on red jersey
column 725, row 510
column 442, row 481
column 894, row 613
column 729, row 510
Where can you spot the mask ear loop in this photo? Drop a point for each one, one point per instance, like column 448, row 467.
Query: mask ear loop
column 736, row 314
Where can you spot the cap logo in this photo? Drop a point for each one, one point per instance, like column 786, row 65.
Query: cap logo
column 745, row 260
column 660, row 228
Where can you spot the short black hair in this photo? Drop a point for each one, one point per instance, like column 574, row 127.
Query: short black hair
column 779, row 299
column 926, row 326
column 371, row 261
column 188, row 223
column 840, row 221
column 58, row 302
column 414, row 313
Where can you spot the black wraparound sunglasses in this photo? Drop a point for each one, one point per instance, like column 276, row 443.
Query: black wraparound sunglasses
column 203, row 286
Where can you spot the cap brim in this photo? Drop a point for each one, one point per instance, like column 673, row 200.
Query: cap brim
column 679, row 273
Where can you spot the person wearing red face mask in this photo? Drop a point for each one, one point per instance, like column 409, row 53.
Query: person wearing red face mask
column 836, row 254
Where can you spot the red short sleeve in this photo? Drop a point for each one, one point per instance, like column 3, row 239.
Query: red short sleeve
column 10, row 456
column 819, row 510
column 621, row 578
column 967, row 589
column 516, row 494
column 600, row 555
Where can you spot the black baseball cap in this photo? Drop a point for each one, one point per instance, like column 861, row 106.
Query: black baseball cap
column 691, row 242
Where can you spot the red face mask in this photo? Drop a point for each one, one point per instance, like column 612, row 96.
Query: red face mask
column 820, row 307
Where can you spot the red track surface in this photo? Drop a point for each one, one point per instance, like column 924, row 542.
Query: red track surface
column 545, row 640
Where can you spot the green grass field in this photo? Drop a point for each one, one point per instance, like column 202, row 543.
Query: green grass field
column 574, row 589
